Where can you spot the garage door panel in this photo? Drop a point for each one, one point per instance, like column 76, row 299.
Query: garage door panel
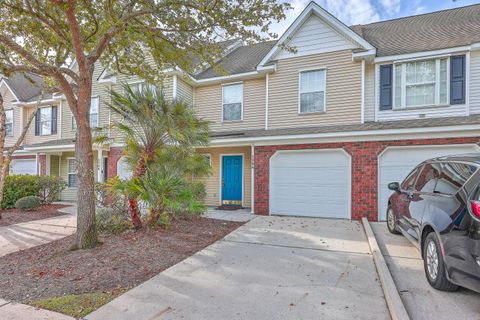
column 312, row 183
column 396, row 163
column 23, row 166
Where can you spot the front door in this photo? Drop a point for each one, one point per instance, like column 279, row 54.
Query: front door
column 232, row 177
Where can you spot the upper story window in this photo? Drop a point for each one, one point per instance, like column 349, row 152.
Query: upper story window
column 312, row 91
column 46, row 121
column 94, row 114
column 421, row 83
column 232, row 102
column 140, row 86
column 9, row 123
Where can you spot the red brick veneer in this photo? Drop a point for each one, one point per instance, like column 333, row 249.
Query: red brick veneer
column 364, row 170
column 113, row 155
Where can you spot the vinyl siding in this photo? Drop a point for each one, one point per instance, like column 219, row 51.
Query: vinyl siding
column 212, row 183
column 54, row 165
column 343, row 91
column 315, row 36
column 369, row 92
column 8, row 100
column 415, row 113
column 208, row 105
column 184, row 91
column 475, row 82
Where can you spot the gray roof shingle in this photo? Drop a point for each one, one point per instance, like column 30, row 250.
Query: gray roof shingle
column 431, row 31
column 384, row 125
column 242, row 59
column 26, row 86
column 59, row 142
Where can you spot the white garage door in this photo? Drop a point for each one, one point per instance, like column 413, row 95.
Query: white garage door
column 395, row 163
column 24, row 166
column 314, row 183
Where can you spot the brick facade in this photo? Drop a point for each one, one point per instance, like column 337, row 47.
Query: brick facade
column 364, row 170
column 42, row 160
column 113, row 156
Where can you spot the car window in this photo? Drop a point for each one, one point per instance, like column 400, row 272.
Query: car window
column 427, row 179
column 409, row 181
column 452, row 177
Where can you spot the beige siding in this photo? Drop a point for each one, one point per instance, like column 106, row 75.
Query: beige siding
column 369, row 92
column 343, row 91
column 8, row 99
column 54, row 165
column 208, row 105
column 212, row 183
column 474, row 82
column 184, row 91
column 315, row 36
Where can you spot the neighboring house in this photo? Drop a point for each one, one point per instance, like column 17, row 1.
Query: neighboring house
column 320, row 130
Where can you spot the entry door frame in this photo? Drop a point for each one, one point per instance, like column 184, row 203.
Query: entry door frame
column 221, row 175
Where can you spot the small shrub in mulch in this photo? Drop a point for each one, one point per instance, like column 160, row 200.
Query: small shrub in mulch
column 14, row 216
column 122, row 260
column 28, row 203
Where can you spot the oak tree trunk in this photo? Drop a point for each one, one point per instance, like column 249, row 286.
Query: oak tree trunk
column 86, row 236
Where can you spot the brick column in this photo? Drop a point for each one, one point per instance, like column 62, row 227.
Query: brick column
column 113, row 155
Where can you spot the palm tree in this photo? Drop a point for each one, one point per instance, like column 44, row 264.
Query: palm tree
column 152, row 122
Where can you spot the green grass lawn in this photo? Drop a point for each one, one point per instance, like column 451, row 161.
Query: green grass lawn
column 77, row 306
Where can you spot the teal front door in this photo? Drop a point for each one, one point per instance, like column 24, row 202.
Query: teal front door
column 232, row 177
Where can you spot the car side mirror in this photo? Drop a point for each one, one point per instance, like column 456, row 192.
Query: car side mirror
column 394, row 186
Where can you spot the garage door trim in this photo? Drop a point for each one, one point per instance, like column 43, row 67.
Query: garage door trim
column 349, row 187
column 430, row 146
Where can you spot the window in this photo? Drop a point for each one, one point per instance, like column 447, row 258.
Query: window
column 9, row 123
column 140, row 86
column 453, row 176
column 208, row 158
column 94, row 107
column 72, row 173
column 312, row 91
column 232, row 102
column 45, row 121
column 427, row 179
column 421, row 83
column 409, row 182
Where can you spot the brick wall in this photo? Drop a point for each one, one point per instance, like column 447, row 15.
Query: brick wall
column 364, row 170
column 113, row 155
column 42, row 160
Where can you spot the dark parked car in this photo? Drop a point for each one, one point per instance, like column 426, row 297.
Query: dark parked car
column 437, row 207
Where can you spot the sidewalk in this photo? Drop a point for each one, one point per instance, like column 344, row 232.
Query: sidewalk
column 17, row 311
column 29, row 234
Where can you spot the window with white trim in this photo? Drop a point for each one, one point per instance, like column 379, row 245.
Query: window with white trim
column 312, row 91
column 46, row 121
column 93, row 115
column 140, row 86
column 72, row 173
column 421, row 83
column 232, row 102
column 9, row 123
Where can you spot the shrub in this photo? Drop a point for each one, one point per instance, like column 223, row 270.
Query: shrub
column 28, row 203
column 50, row 188
column 112, row 220
column 19, row 186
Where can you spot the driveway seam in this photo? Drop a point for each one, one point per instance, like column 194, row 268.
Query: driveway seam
column 296, row 247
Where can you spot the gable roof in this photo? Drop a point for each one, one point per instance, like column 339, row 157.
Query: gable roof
column 328, row 18
column 25, row 86
column 241, row 60
column 431, row 31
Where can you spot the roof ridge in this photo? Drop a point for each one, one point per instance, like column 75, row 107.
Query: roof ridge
column 416, row 15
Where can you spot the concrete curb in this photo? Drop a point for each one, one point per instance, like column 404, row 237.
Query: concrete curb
column 394, row 302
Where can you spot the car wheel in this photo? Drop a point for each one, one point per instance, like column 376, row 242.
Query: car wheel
column 434, row 265
column 392, row 222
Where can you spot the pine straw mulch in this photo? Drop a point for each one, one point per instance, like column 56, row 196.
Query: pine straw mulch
column 13, row 216
column 121, row 261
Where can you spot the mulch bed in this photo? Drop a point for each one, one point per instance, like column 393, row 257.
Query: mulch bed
column 13, row 216
column 121, row 261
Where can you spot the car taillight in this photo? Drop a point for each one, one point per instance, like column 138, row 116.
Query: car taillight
column 476, row 208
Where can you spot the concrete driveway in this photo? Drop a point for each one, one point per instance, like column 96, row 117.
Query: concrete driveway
column 270, row 268
column 420, row 299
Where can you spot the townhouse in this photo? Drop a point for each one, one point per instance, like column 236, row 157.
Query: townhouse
column 316, row 123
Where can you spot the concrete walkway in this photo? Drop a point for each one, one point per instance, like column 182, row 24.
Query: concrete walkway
column 240, row 215
column 26, row 235
column 16, row 311
column 270, row 268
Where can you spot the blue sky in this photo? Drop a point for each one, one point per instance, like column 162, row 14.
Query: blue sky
column 365, row 11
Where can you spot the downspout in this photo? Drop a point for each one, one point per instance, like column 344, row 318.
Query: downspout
column 362, row 103
column 174, row 93
column 266, row 101
column 36, row 164
column 252, row 178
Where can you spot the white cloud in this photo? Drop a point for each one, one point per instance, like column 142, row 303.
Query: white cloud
column 391, row 6
column 349, row 12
